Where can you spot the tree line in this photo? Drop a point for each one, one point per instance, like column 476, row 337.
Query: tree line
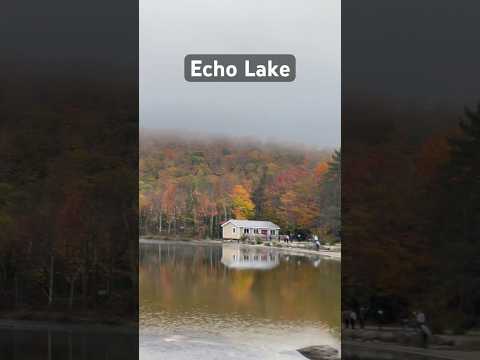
column 410, row 213
column 68, row 196
column 188, row 187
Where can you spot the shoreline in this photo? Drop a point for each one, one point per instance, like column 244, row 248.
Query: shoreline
column 57, row 320
column 391, row 351
column 333, row 255
column 75, row 326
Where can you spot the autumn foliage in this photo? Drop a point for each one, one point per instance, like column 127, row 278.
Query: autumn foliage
column 68, row 197
column 410, row 223
column 242, row 205
column 188, row 187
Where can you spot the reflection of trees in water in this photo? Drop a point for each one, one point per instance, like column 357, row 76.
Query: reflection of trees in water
column 67, row 344
column 173, row 254
column 179, row 278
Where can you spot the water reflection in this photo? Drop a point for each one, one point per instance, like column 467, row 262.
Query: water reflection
column 234, row 302
column 60, row 343
column 240, row 257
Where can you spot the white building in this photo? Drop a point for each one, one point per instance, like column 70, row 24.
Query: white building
column 235, row 229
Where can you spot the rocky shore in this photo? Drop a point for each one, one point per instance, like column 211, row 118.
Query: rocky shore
column 408, row 337
column 356, row 350
column 322, row 352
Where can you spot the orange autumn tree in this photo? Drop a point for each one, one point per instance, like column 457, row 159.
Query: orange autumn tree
column 321, row 169
column 189, row 183
column 243, row 206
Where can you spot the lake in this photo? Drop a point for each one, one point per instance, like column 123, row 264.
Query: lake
column 24, row 340
column 230, row 301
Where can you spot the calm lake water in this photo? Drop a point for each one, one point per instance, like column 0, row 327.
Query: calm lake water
column 234, row 302
column 46, row 341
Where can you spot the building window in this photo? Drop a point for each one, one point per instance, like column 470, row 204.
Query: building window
column 233, row 229
column 272, row 232
column 245, row 231
column 255, row 231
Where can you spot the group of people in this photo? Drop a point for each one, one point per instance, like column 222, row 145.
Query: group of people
column 315, row 240
column 350, row 318
column 287, row 239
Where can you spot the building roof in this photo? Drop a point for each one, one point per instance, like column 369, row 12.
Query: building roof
column 252, row 224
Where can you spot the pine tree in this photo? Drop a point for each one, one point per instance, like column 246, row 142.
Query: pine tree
column 464, row 174
column 330, row 195
column 259, row 196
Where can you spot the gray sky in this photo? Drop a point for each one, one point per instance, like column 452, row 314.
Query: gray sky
column 306, row 111
column 421, row 50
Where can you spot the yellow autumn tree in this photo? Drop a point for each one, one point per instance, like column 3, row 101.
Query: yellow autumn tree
column 243, row 206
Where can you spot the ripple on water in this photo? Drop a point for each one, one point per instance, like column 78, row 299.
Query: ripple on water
column 200, row 335
column 195, row 307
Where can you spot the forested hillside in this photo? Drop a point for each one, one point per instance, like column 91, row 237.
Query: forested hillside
column 410, row 214
column 189, row 187
column 68, row 229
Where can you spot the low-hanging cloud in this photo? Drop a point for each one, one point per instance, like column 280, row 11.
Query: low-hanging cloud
column 304, row 111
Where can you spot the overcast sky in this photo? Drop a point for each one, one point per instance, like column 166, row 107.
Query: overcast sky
column 306, row 111
column 423, row 50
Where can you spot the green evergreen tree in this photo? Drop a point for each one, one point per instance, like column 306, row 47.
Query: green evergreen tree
column 464, row 175
column 330, row 196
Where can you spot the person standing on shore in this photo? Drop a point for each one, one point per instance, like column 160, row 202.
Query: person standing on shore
column 380, row 318
column 346, row 318
column 353, row 318
column 361, row 316
column 425, row 331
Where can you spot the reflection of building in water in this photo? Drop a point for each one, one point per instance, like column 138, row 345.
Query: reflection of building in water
column 242, row 257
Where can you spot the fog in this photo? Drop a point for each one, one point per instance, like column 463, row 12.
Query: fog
column 306, row 111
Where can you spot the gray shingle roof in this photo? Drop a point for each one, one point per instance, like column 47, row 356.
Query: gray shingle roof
column 252, row 224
